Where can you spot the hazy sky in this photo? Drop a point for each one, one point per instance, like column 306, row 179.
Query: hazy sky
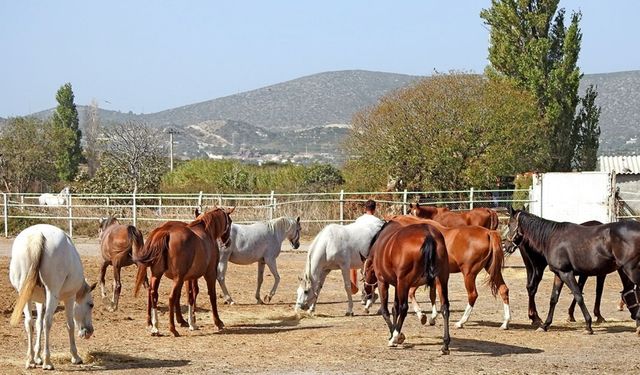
column 147, row 56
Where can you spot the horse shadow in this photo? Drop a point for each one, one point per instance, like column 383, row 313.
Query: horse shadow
column 484, row 348
column 267, row 328
column 520, row 326
column 116, row 361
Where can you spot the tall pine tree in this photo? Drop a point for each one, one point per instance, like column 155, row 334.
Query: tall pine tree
column 67, row 134
column 530, row 44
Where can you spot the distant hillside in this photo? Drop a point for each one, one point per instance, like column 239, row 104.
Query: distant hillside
column 291, row 117
column 619, row 97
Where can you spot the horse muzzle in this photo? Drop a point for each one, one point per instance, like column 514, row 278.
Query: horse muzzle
column 85, row 333
column 295, row 245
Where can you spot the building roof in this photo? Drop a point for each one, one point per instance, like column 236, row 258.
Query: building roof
column 628, row 164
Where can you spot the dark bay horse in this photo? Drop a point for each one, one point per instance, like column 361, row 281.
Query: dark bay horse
column 407, row 257
column 470, row 249
column 117, row 242
column 571, row 249
column 481, row 216
column 183, row 252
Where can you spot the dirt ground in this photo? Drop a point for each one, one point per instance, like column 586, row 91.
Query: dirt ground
column 273, row 339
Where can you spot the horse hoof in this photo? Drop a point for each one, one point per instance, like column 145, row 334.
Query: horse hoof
column 504, row 326
column 184, row 324
column 38, row 361
column 30, row 364
column 638, row 331
column 259, row 301
column 588, row 331
column 266, row 299
column 401, row 338
column 175, row 333
column 459, row 325
column 392, row 344
column 194, row 328
column 571, row 319
column 444, row 351
column 76, row 361
column 349, row 313
column 47, row 367
column 600, row 320
column 366, row 311
column 155, row 334
column 541, row 329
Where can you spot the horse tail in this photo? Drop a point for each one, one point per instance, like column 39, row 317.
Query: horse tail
column 497, row 261
column 156, row 246
column 429, row 259
column 36, row 244
column 137, row 241
column 494, row 222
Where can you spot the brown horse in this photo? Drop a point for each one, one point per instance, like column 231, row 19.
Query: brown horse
column 117, row 242
column 407, row 257
column 183, row 252
column 470, row 249
column 481, row 216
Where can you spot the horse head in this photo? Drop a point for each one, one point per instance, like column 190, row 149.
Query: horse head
column 514, row 234
column 294, row 235
column 82, row 310
column 306, row 295
column 217, row 223
column 370, row 280
column 104, row 223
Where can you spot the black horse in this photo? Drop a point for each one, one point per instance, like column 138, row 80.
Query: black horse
column 571, row 249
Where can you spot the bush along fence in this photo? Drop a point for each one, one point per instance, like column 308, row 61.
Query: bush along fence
column 78, row 214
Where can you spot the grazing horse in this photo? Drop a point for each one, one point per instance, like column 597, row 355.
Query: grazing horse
column 335, row 247
column 259, row 242
column 117, row 242
column 470, row 249
column 183, row 252
column 48, row 199
column 571, row 249
column 45, row 269
column 407, row 256
column 481, row 216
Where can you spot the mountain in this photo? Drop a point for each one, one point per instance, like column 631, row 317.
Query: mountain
column 309, row 115
column 619, row 98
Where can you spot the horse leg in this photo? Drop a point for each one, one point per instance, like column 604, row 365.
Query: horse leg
column 630, row 281
column 472, row 296
column 503, row 290
column 596, row 305
column 555, row 295
column 117, row 287
column 210, row 278
column 103, row 271
column 174, row 299
column 383, row 290
column 442, row 283
column 353, row 276
column 273, row 268
column 222, row 272
column 317, row 290
column 39, row 322
column 178, row 310
column 261, row 265
column 572, row 307
column 68, row 312
column 533, row 280
column 193, row 294
column 401, row 307
column 152, row 309
column 50, row 308
column 347, row 287
column 434, row 306
column 28, row 326
column 416, row 306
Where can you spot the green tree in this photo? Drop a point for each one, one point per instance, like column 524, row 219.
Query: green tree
column 447, row 132
column 322, row 178
column 530, row 45
column 26, row 154
column 67, row 134
column 586, row 155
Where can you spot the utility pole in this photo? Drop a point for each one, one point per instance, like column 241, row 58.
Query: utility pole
column 171, row 132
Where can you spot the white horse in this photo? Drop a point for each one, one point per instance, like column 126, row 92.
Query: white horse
column 48, row 199
column 45, row 268
column 336, row 247
column 259, row 242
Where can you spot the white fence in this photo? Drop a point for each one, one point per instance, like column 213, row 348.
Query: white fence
column 315, row 209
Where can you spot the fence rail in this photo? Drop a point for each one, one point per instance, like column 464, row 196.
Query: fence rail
column 79, row 213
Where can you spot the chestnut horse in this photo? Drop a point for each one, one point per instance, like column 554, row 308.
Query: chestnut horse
column 470, row 249
column 183, row 252
column 407, row 257
column 571, row 249
column 481, row 216
column 116, row 244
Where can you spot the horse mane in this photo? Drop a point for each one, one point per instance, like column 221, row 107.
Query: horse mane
column 106, row 223
column 538, row 231
column 373, row 240
column 282, row 223
column 205, row 219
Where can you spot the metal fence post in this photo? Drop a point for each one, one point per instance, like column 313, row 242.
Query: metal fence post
column 471, row 199
column 133, row 210
column 341, row 207
column 272, row 205
column 6, row 215
column 404, row 202
column 70, row 210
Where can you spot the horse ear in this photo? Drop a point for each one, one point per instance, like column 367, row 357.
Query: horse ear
column 196, row 212
column 230, row 210
column 411, row 205
column 362, row 257
column 510, row 209
column 299, row 278
column 298, row 219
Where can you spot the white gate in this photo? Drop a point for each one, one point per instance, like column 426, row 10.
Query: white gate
column 574, row 196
